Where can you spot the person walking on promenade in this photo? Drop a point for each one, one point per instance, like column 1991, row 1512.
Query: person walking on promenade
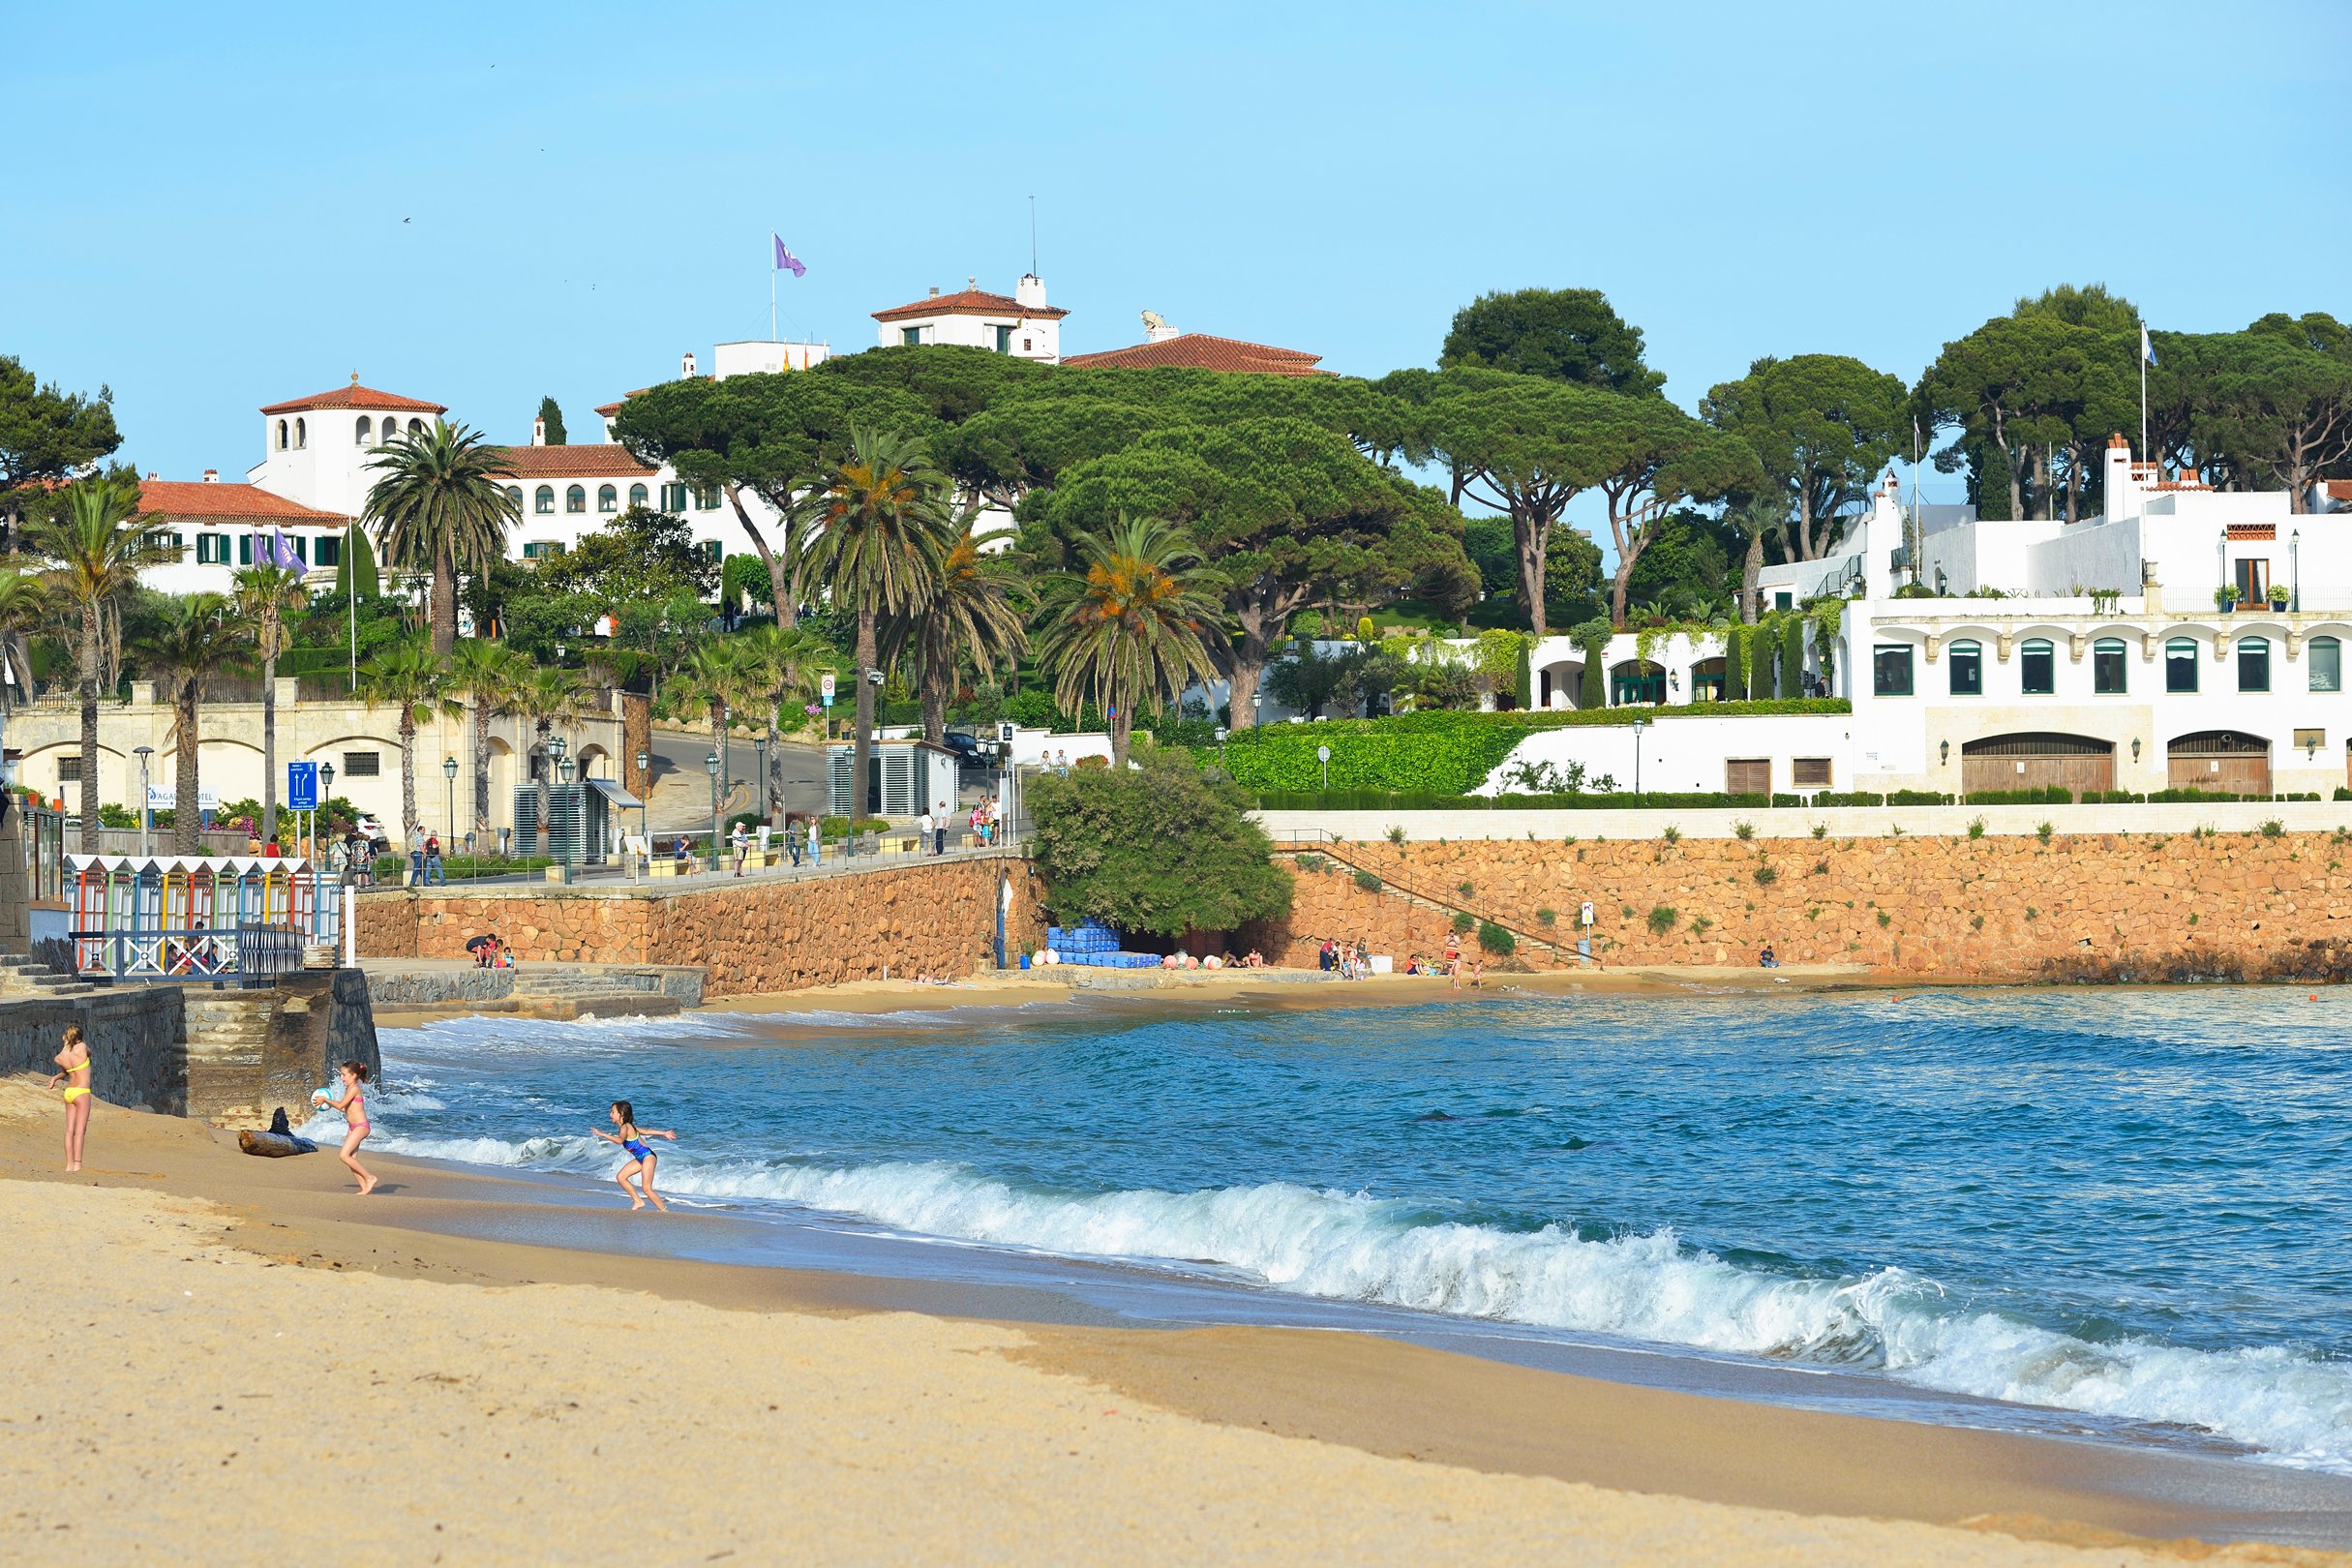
column 939, row 828
column 432, row 862
column 642, row 1159
column 816, row 840
column 417, row 858
column 922, row 833
column 72, row 1061
column 354, row 1108
column 743, row 845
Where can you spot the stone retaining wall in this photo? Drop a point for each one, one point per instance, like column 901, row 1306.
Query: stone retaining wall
column 923, row 919
column 137, row 1057
column 2079, row 905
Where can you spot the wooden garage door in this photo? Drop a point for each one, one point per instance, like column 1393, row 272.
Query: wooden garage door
column 2220, row 762
column 2077, row 763
column 1748, row 775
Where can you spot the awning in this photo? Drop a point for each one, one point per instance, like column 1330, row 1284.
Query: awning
column 611, row 791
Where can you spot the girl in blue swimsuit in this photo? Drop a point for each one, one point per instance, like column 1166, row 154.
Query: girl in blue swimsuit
column 632, row 1141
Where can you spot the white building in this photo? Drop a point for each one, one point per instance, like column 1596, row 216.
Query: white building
column 2097, row 656
column 1022, row 325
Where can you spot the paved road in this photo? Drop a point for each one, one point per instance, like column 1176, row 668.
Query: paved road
column 681, row 789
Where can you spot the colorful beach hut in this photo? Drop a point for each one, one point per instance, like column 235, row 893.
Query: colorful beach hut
column 193, row 916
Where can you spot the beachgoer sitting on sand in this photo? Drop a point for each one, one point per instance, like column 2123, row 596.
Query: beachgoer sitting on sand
column 1256, row 959
column 1767, row 960
column 632, row 1139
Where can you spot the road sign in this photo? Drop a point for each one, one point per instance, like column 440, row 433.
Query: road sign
column 1586, row 914
column 825, row 688
column 1322, row 754
column 302, row 785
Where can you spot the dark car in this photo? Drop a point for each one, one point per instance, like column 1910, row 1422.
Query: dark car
column 967, row 747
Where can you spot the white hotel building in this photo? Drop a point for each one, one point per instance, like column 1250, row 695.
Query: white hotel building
column 2106, row 662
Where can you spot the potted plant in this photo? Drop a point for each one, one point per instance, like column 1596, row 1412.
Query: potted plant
column 2225, row 597
column 2279, row 596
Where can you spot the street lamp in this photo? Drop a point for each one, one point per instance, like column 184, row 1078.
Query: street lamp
column 567, row 768
column 145, row 813
column 449, row 771
column 759, row 743
column 1638, row 724
column 710, row 765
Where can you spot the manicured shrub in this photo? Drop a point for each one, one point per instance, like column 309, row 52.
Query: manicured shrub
column 1464, row 919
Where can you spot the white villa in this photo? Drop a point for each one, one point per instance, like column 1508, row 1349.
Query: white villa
column 2097, row 656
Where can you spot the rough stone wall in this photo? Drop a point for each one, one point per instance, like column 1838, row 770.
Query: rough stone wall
column 934, row 919
column 134, row 1039
column 2104, row 906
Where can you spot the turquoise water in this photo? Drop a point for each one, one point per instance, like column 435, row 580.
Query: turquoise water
column 2130, row 1204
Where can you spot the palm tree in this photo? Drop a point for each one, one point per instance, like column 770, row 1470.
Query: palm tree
column 24, row 605
column 970, row 616
column 877, row 527
column 786, row 662
column 440, row 508
column 1134, row 626
column 722, row 677
column 197, row 635
column 95, row 549
column 488, row 673
column 265, row 597
column 547, row 695
column 408, row 676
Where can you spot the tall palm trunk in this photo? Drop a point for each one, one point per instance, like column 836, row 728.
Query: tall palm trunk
column 444, row 603
column 481, row 770
column 544, row 765
column 89, row 730
column 861, row 751
column 187, row 820
column 935, row 691
column 1122, row 726
column 775, row 760
column 269, row 726
column 408, row 776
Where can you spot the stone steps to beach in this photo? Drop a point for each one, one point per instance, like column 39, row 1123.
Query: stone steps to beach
column 30, row 977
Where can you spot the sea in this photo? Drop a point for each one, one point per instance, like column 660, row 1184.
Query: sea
column 2124, row 1213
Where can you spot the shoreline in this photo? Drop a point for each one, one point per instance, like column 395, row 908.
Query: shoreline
column 1440, row 1414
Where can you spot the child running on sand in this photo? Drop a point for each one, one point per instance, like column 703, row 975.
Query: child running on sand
column 76, row 1076
column 642, row 1159
column 354, row 1108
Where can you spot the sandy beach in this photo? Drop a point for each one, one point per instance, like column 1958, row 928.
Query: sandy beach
column 223, row 1359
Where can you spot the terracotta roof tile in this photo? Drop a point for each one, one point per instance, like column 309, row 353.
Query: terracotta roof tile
column 356, row 396
column 1198, row 350
column 2339, row 489
column 568, row 463
column 193, row 500
column 971, row 302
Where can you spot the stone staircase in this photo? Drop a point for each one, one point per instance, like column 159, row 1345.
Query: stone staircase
column 30, row 977
column 571, row 993
column 227, row 1033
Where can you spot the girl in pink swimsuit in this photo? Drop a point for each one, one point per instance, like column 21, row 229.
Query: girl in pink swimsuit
column 354, row 1108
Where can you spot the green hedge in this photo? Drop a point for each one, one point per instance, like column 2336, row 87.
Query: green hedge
column 1448, row 753
column 1433, row 801
column 2046, row 795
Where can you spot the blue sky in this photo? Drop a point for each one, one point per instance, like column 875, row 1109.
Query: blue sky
column 482, row 204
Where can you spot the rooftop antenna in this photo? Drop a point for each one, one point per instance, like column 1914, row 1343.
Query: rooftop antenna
column 1032, row 235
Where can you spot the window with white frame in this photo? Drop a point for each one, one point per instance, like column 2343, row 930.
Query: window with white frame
column 2324, row 657
column 543, row 500
column 607, row 499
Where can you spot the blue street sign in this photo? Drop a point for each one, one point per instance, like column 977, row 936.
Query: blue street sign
column 302, row 785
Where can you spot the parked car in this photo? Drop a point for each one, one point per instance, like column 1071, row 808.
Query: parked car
column 371, row 830
column 968, row 748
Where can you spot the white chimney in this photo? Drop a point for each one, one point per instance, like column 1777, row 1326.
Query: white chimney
column 538, row 428
column 686, row 365
column 1030, row 292
column 212, row 476
column 935, row 290
column 151, row 475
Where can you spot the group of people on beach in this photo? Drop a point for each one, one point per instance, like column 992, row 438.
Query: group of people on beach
column 76, row 1065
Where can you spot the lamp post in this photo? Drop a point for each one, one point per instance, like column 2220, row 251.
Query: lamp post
column 1638, row 724
column 2295, row 570
column 645, row 786
column 555, row 749
column 758, row 744
column 146, row 813
column 449, row 771
column 327, row 793
column 567, row 768
column 710, row 765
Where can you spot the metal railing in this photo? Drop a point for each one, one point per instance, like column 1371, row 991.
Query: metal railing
column 253, row 956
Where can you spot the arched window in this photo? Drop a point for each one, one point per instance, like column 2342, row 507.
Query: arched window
column 575, row 498
column 2036, row 668
column 302, row 433
column 2109, row 666
column 543, row 500
column 2253, row 664
column 2181, row 664
column 2326, row 657
column 281, row 434
column 416, row 427
column 514, row 493
column 367, row 427
column 637, row 495
column 607, row 499
column 1966, row 661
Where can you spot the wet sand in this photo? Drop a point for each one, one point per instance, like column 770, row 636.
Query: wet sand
column 219, row 1357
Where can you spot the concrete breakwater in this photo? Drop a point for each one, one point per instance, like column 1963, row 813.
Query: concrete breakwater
column 2122, row 907
column 227, row 1055
column 909, row 918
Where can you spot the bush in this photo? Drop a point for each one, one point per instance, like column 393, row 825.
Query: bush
column 1430, row 800
column 1662, row 919
column 1464, row 919
column 1446, row 753
column 2273, row 827
column 2342, row 794
column 1917, row 798
column 1367, row 881
column 2043, row 830
column 1672, row 834
column 1495, row 939
column 1975, row 828
column 839, row 826
column 1546, row 917
column 2046, row 795
column 1743, row 831
column 1160, row 849
column 1848, row 797
column 1766, row 876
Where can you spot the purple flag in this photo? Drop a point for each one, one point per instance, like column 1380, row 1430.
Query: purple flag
column 786, row 262
column 284, row 552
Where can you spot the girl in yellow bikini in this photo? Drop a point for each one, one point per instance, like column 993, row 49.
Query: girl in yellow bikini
column 74, row 1063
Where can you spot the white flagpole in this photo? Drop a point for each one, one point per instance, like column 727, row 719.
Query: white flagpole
column 2145, row 456
column 771, row 296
